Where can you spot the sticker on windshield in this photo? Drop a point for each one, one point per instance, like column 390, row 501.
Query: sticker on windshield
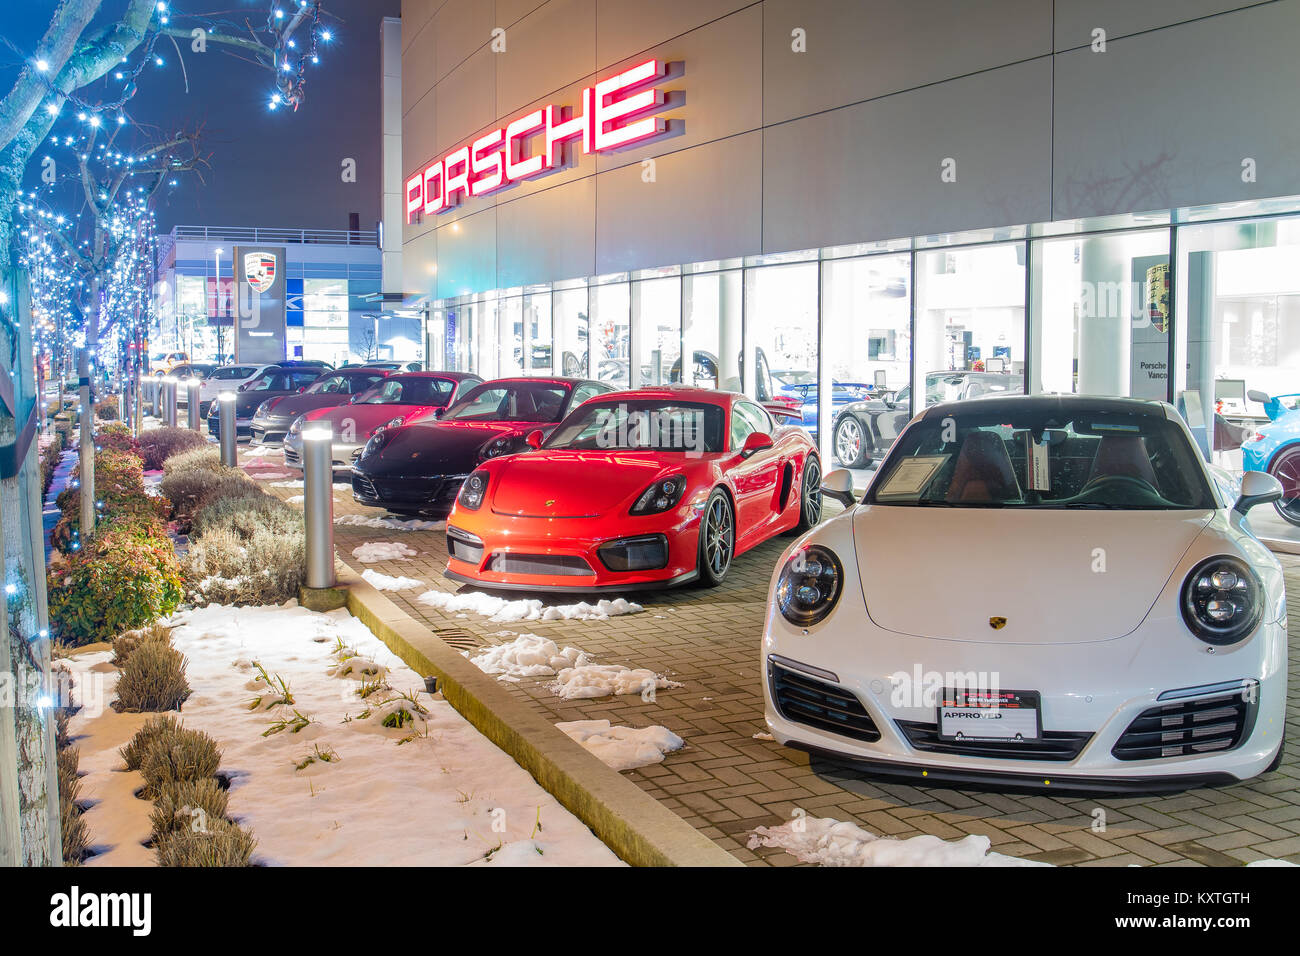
column 911, row 476
column 1040, row 473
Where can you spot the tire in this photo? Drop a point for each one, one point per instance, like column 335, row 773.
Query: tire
column 1285, row 467
column 717, row 539
column 810, row 496
column 852, row 447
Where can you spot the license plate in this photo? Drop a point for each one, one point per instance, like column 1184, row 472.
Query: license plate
column 977, row 715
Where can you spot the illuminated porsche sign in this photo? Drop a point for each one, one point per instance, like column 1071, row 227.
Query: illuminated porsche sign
column 613, row 115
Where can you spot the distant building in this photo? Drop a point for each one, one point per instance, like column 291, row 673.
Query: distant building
column 332, row 295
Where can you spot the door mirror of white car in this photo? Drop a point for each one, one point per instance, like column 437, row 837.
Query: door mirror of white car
column 756, row 442
column 1255, row 395
column 838, row 484
column 1257, row 488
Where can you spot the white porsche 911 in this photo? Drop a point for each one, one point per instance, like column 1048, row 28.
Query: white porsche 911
column 1043, row 591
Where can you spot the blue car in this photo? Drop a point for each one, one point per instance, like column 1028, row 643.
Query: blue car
column 1275, row 448
column 802, row 388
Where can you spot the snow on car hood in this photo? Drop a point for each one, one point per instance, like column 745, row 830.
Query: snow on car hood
column 944, row 572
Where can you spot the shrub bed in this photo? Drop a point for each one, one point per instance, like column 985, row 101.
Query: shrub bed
column 106, row 409
column 159, row 444
column 153, row 678
column 116, row 436
column 187, row 489
column 119, row 484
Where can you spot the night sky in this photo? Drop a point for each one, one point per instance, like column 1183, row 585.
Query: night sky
column 279, row 169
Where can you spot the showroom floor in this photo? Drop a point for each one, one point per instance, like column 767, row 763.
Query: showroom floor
column 725, row 782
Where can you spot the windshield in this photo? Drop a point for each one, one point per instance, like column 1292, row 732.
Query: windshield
column 1042, row 459
column 265, row 382
column 234, row 372
column 513, row 402
column 410, row 391
column 654, row 425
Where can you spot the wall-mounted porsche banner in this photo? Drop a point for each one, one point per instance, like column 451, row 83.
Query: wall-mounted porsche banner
column 502, row 157
column 259, row 304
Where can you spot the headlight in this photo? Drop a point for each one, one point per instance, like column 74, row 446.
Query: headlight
column 472, row 491
column 375, row 443
column 394, row 423
column 1222, row 600
column 499, row 446
column 809, row 585
column 263, row 410
column 296, row 428
column 661, row 496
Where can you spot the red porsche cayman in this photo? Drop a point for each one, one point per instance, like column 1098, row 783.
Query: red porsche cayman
column 639, row 489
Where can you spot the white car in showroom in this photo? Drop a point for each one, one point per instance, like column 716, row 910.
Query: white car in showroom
column 1036, row 591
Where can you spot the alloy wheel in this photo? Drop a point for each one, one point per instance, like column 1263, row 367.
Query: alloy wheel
column 848, row 441
column 1286, row 469
column 719, row 536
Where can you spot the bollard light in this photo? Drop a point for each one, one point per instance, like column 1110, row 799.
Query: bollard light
column 169, row 401
column 226, row 426
column 192, row 419
column 318, row 505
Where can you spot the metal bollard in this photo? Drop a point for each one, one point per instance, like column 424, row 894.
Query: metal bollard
column 192, row 419
column 86, row 449
column 229, row 440
column 169, row 402
column 155, row 396
column 318, row 505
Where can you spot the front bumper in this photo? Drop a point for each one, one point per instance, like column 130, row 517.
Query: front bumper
column 511, row 552
column 429, row 495
column 243, row 427
column 341, row 453
column 269, row 431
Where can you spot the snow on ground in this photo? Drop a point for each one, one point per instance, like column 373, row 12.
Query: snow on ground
column 501, row 609
column 432, row 800
column 338, row 485
column 373, row 551
column 294, row 500
column 384, row 582
column 389, row 524
column 623, row 748
column 829, row 842
column 266, row 475
column 602, row 680
column 528, row 655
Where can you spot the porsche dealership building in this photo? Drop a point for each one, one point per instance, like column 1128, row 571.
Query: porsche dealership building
column 930, row 198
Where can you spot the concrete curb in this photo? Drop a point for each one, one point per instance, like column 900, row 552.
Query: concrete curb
column 639, row 829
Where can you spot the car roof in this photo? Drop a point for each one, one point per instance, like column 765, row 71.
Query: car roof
column 545, row 379
column 1062, row 402
column 684, row 393
column 451, row 376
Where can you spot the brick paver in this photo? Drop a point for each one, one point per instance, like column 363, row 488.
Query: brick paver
column 725, row 782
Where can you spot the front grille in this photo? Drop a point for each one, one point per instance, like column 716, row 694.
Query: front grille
column 426, row 492
column 564, row 565
column 290, row 456
column 806, row 700
column 363, row 487
column 1059, row 745
column 1186, row 728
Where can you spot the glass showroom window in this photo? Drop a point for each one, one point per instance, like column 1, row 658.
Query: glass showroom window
column 1238, row 310
column 970, row 323
column 569, row 313
column 867, row 339
column 325, row 320
column 1102, row 308
column 510, row 324
column 481, row 314
column 780, row 328
column 657, row 328
column 537, row 330
column 192, row 317
column 712, row 314
column 611, row 343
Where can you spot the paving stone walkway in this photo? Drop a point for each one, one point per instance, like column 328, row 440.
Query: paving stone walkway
column 725, row 782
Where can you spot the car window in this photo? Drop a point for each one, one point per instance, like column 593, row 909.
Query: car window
column 234, row 372
column 747, row 418
column 517, row 401
column 584, row 392
column 333, row 385
column 302, row 379
column 758, row 417
column 411, row 391
column 360, row 383
column 642, row 424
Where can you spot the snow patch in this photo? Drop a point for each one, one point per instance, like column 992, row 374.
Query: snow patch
column 528, row 655
column 826, row 841
column 500, row 609
column 373, row 551
column 389, row 524
column 383, row 582
column 602, row 680
column 623, row 748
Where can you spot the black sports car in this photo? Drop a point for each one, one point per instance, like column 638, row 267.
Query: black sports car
column 275, row 381
column 417, row 469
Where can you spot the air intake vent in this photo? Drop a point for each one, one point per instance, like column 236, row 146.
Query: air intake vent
column 806, row 700
column 1186, row 728
column 1053, row 745
column 509, row 562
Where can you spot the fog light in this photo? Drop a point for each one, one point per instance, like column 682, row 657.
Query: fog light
column 644, row 553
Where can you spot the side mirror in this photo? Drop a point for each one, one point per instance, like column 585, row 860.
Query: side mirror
column 756, row 442
column 1257, row 488
column 1255, row 395
column 440, row 411
column 303, row 389
column 838, row 484
column 535, row 438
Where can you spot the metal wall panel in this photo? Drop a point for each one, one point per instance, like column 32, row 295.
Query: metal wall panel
column 547, row 235
column 544, row 52
column 627, row 27
column 1076, row 19
column 467, row 255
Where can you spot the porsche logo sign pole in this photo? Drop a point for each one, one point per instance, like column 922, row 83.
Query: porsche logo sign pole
column 260, row 304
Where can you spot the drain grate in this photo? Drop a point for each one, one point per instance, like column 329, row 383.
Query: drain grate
column 459, row 638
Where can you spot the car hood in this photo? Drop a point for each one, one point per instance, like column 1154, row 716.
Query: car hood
column 364, row 418
column 946, row 572
column 246, row 402
column 444, row 448
column 573, row 484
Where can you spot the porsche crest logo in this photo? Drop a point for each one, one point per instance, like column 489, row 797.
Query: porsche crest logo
column 997, row 623
column 259, row 270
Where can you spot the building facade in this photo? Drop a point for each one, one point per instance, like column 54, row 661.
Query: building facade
column 928, row 197
column 331, row 288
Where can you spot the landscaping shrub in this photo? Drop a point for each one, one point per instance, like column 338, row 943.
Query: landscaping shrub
column 245, row 514
column 119, row 484
column 125, row 576
column 164, row 728
column 159, row 444
column 51, row 455
column 76, row 838
column 223, row 844
column 124, row 644
column 268, row 567
column 106, row 409
column 191, row 755
column 204, row 458
column 116, row 436
column 175, row 807
column 153, row 678
column 186, row 489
